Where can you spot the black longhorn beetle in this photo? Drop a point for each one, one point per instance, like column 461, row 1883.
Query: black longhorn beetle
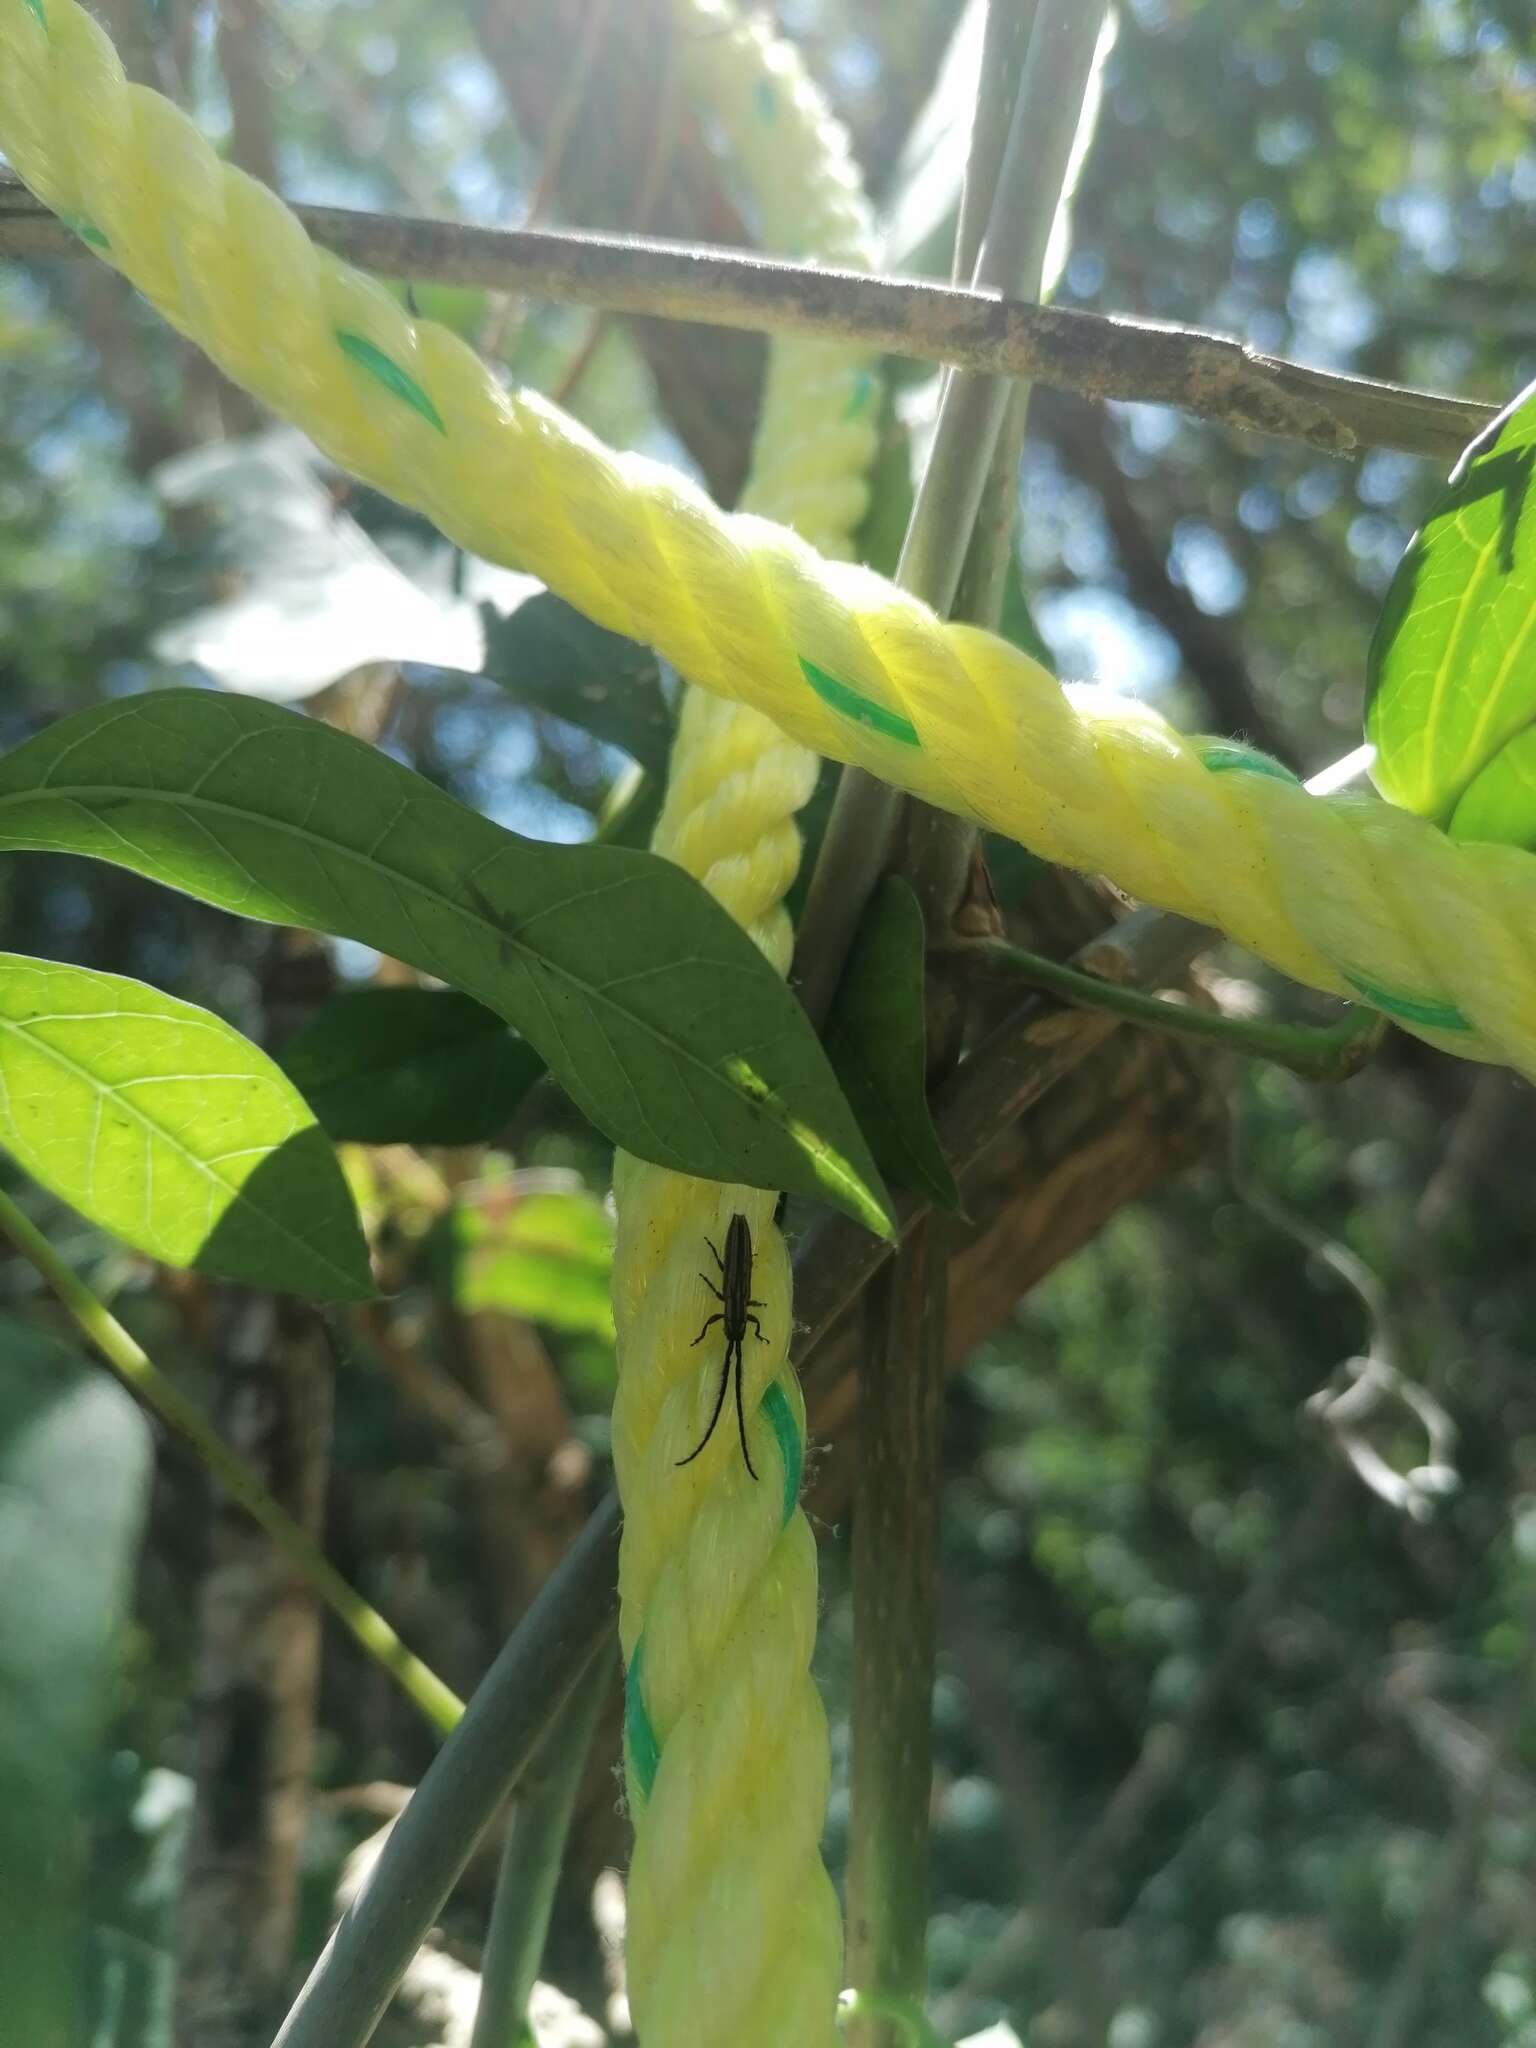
column 734, row 1295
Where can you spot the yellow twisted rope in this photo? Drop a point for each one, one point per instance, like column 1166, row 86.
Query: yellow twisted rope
column 733, row 1929
column 1346, row 894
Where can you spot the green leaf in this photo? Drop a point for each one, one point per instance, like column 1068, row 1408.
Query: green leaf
column 547, row 1257
column 877, row 1039
column 660, row 1018
column 1452, row 669
column 162, row 1124
column 410, row 1066
column 74, row 1477
column 1500, row 804
column 545, row 653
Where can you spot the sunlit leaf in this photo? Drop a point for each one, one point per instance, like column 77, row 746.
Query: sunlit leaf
column 410, row 1066
column 546, row 654
column 546, row 1256
column 74, row 1473
column 659, row 1017
column 1453, row 663
column 162, row 1124
column 877, row 1039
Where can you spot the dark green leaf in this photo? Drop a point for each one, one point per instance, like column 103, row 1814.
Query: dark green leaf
column 660, row 1018
column 162, row 1124
column 546, row 1256
column 410, row 1066
column 877, row 1040
column 546, row 653
column 1452, row 671
column 74, row 1472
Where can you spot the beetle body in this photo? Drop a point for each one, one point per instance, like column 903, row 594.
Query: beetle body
column 735, row 1318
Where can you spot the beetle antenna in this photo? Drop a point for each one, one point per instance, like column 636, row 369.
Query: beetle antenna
column 741, row 1420
column 725, row 1376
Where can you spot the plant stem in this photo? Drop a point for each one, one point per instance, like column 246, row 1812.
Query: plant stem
column 1331, row 1052
column 1099, row 355
column 895, row 1548
column 1035, row 64
column 521, row 1697
column 530, row 1865
column 142, row 1377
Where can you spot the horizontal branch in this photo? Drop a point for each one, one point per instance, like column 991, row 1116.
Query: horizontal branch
column 1097, row 355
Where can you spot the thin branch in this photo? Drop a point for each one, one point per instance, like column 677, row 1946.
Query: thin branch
column 1099, row 355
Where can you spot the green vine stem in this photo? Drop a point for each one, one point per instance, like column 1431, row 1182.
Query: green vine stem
column 143, row 1378
column 1331, row 1052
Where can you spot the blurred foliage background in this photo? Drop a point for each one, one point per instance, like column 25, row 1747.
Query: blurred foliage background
column 1233, row 1749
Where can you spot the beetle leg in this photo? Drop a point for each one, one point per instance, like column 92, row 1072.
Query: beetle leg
column 714, row 1290
column 759, row 1329
column 718, row 1260
column 725, row 1378
column 741, row 1420
column 705, row 1331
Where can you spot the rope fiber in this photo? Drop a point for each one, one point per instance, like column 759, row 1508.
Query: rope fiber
column 1346, row 894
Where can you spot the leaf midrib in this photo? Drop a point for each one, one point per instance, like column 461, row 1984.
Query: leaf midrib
column 109, row 1091
column 84, row 794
